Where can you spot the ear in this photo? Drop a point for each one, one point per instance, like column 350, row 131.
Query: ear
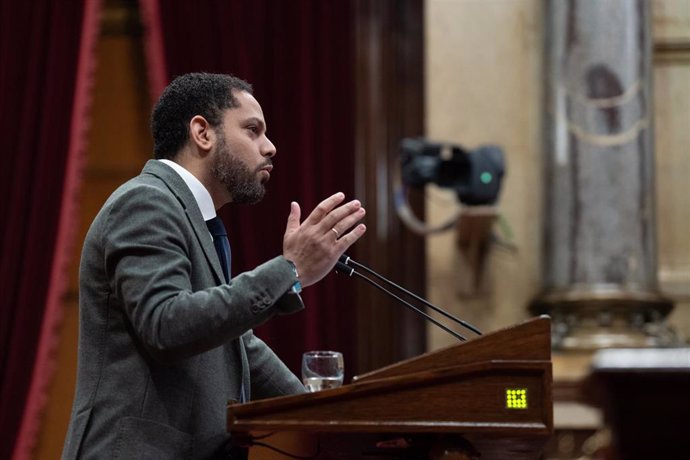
column 201, row 133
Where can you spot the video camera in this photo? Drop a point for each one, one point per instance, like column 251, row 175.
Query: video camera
column 475, row 175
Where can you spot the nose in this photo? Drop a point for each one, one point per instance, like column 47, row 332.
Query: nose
column 268, row 149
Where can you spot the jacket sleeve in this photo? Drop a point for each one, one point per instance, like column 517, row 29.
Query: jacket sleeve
column 270, row 377
column 147, row 242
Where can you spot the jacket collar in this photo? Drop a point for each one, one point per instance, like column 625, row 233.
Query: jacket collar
column 181, row 191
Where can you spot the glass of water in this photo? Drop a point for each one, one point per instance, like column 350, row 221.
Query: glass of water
column 322, row 370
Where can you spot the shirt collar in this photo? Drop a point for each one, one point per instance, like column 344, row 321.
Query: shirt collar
column 201, row 195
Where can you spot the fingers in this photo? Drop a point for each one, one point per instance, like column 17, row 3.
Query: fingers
column 340, row 220
column 323, row 208
column 347, row 221
column 349, row 212
column 349, row 238
column 329, row 215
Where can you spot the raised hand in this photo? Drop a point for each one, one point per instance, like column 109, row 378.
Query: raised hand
column 316, row 244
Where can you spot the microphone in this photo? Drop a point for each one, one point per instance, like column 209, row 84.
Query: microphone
column 344, row 266
column 347, row 261
column 349, row 271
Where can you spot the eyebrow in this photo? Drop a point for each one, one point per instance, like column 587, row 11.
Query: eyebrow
column 256, row 120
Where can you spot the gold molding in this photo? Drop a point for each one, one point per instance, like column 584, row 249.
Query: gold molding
column 120, row 18
column 672, row 52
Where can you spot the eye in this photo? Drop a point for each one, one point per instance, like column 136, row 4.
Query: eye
column 253, row 128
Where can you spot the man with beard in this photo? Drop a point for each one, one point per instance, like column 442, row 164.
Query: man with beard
column 165, row 333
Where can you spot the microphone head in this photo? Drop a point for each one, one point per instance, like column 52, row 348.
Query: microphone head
column 344, row 259
column 340, row 267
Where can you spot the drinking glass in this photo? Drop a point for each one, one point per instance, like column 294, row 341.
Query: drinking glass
column 322, row 370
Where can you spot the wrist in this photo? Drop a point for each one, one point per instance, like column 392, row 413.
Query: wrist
column 296, row 288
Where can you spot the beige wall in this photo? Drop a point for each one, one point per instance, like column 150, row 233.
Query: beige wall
column 672, row 125
column 483, row 85
column 483, row 82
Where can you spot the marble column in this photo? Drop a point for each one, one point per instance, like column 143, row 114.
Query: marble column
column 599, row 245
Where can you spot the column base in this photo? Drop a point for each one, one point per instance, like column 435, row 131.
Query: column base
column 595, row 318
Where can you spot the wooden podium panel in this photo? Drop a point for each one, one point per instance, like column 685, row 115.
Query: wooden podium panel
column 493, row 393
column 645, row 398
column 530, row 340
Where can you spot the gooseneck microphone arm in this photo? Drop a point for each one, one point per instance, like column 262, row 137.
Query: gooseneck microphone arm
column 345, row 259
column 349, row 271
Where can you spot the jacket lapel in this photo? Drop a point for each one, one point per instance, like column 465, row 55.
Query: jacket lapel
column 178, row 187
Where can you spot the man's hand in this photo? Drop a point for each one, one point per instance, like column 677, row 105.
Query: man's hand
column 316, row 244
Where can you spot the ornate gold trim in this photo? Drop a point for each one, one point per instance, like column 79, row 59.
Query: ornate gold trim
column 672, row 52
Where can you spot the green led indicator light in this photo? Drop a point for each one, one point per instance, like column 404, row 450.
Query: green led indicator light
column 486, row 177
column 516, row 398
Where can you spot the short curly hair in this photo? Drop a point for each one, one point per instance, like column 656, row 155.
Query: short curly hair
column 205, row 94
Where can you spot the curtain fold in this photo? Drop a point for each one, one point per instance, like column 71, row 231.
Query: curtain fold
column 299, row 56
column 45, row 64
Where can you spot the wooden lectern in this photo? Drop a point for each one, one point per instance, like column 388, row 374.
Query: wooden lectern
column 491, row 395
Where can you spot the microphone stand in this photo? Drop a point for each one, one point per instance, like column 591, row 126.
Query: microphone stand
column 347, row 260
column 344, row 265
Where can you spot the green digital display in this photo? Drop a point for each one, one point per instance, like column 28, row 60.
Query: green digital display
column 516, row 398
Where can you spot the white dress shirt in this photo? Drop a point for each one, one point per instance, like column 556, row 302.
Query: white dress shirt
column 201, row 195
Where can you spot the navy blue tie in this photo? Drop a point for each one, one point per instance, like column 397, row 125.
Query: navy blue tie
column 220, row 241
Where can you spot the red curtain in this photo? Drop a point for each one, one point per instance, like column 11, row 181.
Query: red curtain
column 299, row 55
column 44, row 73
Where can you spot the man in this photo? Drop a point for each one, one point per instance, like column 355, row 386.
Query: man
column 165, row 334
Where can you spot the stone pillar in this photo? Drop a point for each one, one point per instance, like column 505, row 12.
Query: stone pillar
column 599, row 249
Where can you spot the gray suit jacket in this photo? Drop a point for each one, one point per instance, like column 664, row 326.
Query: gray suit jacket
column 164, row 344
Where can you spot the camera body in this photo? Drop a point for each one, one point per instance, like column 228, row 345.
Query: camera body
column 475, row 175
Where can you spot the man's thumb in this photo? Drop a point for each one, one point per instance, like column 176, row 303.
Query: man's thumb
column 293, row 218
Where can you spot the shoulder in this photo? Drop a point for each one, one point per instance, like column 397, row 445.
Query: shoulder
column 146, row 191
column 145, row 201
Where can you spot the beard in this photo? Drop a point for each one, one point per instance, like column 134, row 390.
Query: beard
column 241, row 183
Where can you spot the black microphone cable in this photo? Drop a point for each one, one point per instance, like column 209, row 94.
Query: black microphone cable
column 347, row 260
